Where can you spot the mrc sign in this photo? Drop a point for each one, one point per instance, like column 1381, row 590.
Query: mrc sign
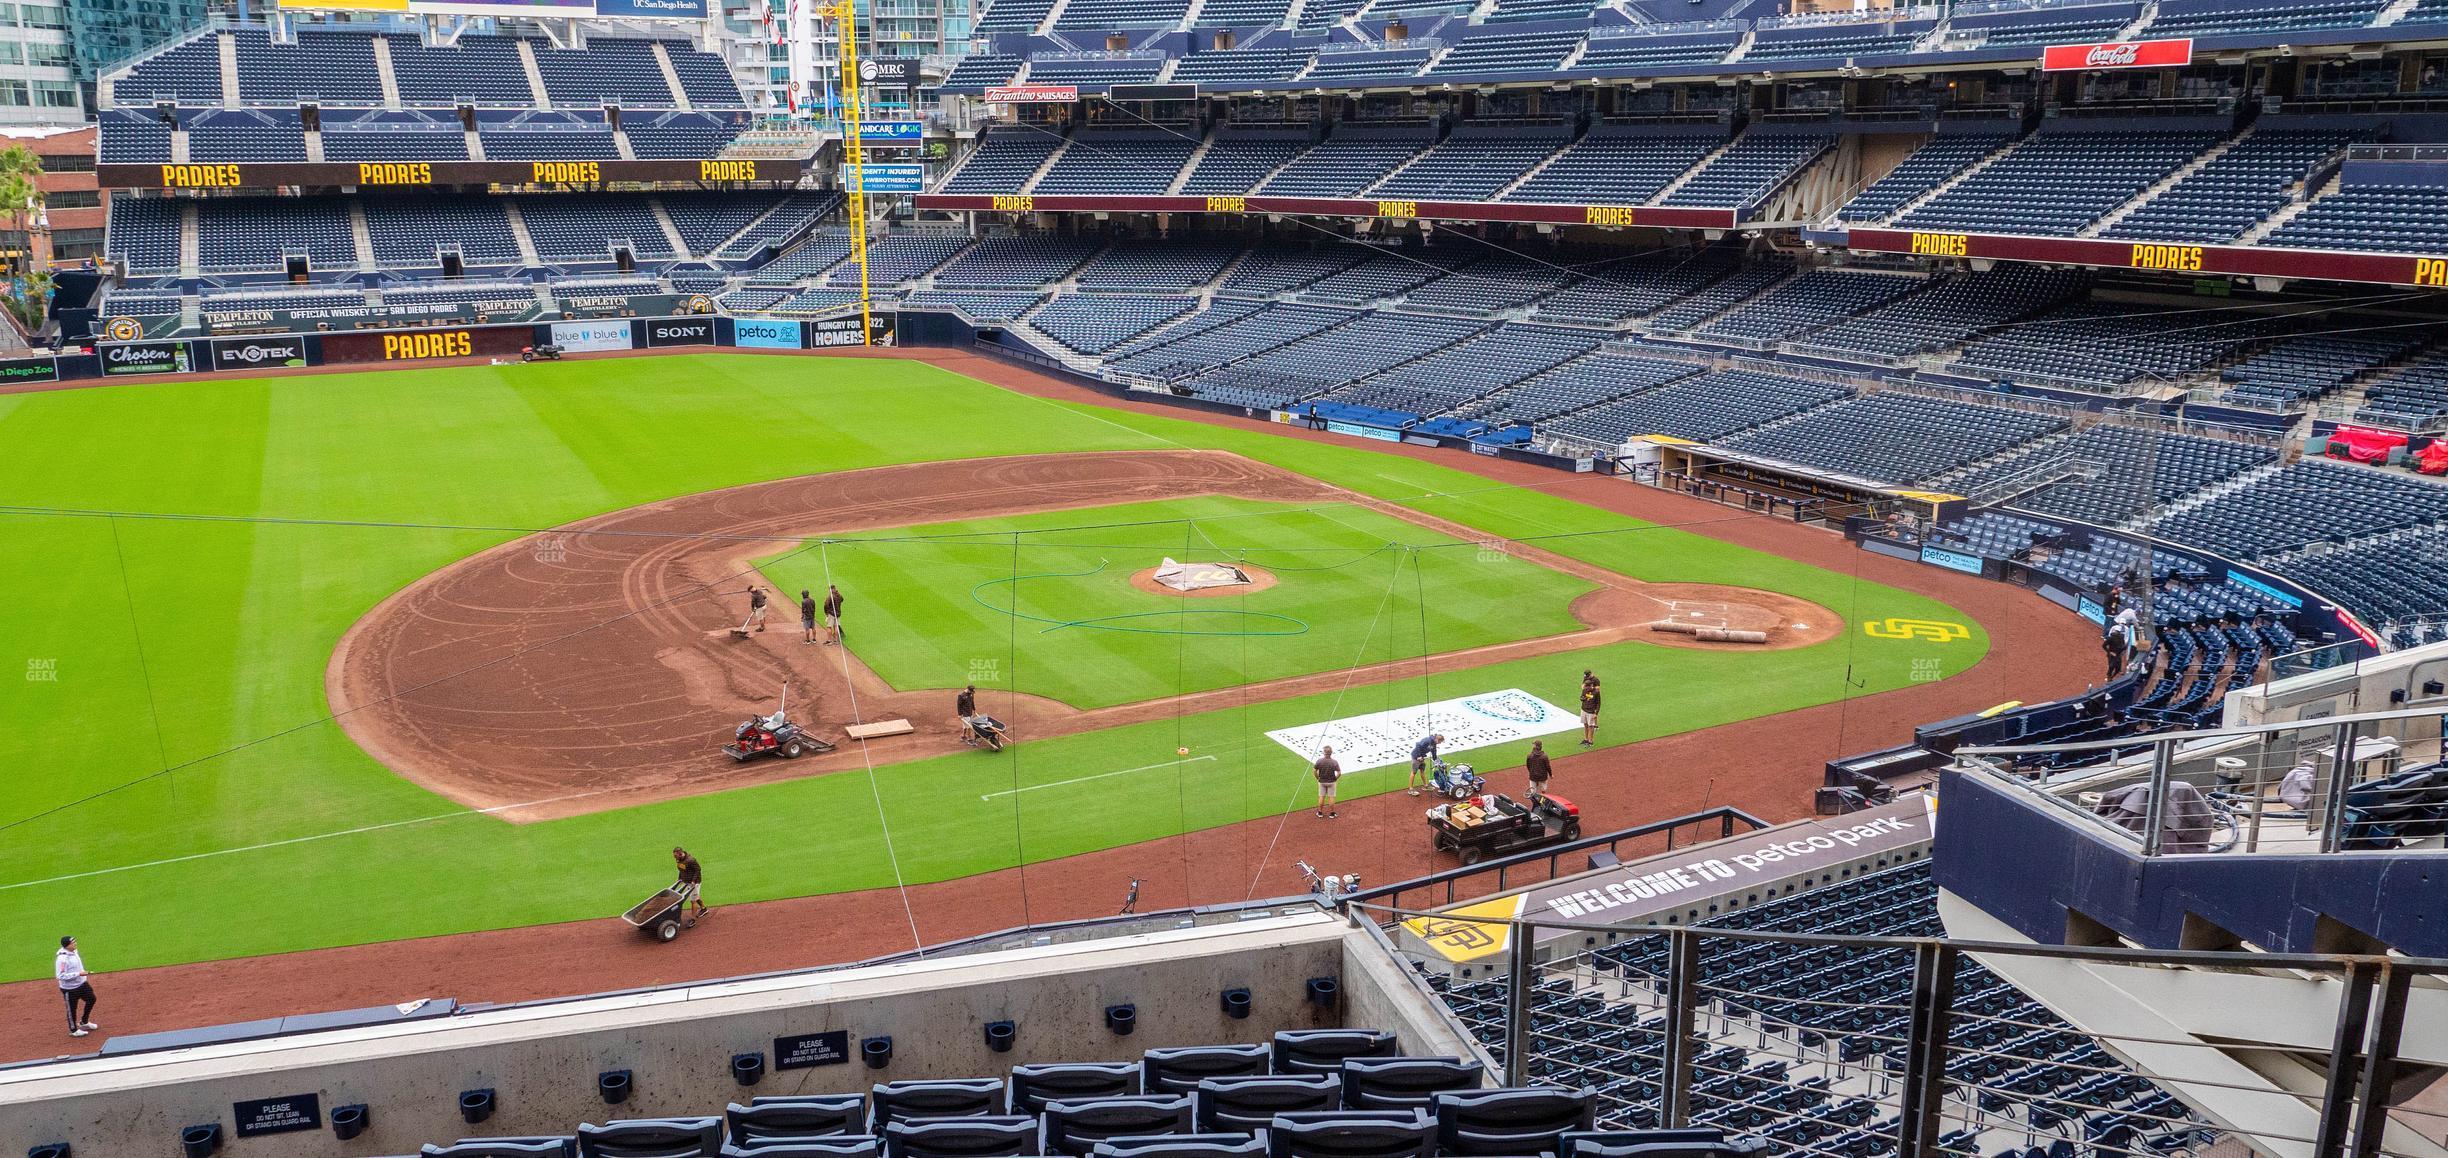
column 2125, row 54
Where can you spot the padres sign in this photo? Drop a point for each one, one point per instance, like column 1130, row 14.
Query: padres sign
column 123, row 330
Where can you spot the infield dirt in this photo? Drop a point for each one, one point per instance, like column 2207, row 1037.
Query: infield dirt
column 599, row 665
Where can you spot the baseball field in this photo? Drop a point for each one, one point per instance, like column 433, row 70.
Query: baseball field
column 324, row 660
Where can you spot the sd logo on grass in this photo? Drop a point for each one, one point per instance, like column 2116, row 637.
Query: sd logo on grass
column 1933, row 630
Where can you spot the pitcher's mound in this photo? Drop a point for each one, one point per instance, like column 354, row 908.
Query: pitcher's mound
column 1254, row 579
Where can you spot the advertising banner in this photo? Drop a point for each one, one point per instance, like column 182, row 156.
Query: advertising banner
column 258, row 353
column 652, row 9
column 888, row 70
column 425, row 345
column 27, row 371
column 1379, row 739
column 766, row 334
column 680, row 332
column 1952, row 560
column 2130, row 54
column 578, row 336
column 891, row 134
column 1033, row 94
column 411, row 174
column 889, row 178
column 844, row 331
column 146, row 358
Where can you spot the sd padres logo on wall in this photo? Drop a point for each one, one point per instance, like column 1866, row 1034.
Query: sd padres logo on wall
column 698, row 304
column 123, row 330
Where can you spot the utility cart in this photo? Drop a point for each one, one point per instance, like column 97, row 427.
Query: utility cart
column 1495, row 824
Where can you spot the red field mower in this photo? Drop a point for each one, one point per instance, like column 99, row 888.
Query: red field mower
column 773, row 735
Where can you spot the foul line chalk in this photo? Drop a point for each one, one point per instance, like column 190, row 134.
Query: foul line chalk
column 307, row 839
column 1098, row 776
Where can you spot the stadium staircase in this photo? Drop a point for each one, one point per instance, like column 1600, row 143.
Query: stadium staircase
column 2240, row 481
column 671, row 229
column 518, row 229
column 382, row 72
column 1934, row 191
column 2141, row 20
column 361, row 236
column 2162, row 185
column 671, row 77
column 1698, row 167
column 191, row 261
column 229, row 73
column 2395, row 12
column 2276, row 221
column 535, row 75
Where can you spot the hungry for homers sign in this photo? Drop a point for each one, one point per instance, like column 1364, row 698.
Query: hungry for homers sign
column 1379, row 739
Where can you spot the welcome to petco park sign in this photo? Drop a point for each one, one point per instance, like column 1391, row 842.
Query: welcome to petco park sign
column 1379, row 739
column 1646, row 891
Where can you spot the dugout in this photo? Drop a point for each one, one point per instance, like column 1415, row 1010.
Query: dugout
column 1770, row 486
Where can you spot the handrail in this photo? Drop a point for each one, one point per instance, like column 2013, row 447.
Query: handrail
column 2239, row 730
column 1725, row 816
column 2116, row 954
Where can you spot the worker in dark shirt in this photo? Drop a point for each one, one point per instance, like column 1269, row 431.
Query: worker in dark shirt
column 691, row 885
column 1328, row 770
column 807, row 617
column 964, row 706
column 1423, row 754
column 1589, row 709
column 832, row 614
column 1536, row 764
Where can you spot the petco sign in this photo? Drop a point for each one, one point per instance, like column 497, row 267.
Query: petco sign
column 1380, row 739
column 2131, row 54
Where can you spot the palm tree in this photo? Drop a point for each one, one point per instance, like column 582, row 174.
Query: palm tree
column 20, row 197
column 20, row 192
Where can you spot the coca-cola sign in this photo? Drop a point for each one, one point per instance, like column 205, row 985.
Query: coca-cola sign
column 2129, row 54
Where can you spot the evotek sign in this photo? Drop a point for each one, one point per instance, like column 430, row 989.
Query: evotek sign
column 258, row 353
column 2130, row 54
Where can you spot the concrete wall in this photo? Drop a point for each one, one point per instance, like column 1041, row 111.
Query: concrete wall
column 543, row 1058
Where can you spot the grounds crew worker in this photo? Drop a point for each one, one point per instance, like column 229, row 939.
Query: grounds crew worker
column 756, row 611
column 1328, row 771
column 691, row 885
column 832, row 610
column 1589, row 709
column 1539, row 768
column 1423, row 754
column 75, row 987
column 964, row 706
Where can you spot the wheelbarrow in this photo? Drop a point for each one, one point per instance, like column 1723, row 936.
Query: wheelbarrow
column 660, row 915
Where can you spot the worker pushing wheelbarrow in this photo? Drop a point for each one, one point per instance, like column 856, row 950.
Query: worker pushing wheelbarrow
column 663, row 915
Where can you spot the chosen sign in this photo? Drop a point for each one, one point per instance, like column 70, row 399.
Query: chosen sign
column 803, row 1050
column 280, row 1115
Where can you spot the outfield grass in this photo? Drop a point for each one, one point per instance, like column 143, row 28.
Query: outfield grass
column 937, row 602
column 200, row 644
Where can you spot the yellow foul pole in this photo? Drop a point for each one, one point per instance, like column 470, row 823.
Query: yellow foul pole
column 845, row 28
